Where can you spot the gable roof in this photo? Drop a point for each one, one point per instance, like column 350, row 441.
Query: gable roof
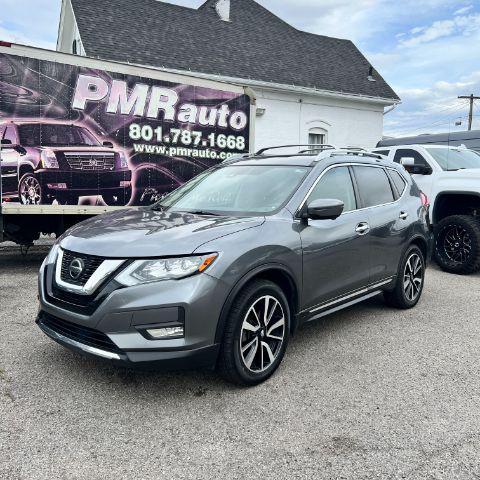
column 255, row 44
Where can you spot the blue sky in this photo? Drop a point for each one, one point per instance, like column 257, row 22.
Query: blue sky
column 428, row 50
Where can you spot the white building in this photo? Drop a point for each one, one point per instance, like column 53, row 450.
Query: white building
column 309, row 88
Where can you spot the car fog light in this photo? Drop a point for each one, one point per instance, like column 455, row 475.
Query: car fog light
column 165, row 333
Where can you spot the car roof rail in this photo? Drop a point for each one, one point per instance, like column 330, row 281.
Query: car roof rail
column 358, row 152
column 309, row 148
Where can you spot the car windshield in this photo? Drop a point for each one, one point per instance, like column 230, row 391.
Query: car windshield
column 236, row 190
column 55, row 135
column 451, row 159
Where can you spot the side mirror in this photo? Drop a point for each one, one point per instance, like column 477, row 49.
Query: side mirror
column 414, row 168
column 324, row 209
column 108, row 144
column 6, row 141
column 407, row 162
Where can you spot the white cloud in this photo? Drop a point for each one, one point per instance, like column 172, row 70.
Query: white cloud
column 463, row 10
column 459, row 25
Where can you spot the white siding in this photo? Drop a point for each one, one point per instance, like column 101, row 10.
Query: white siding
column 289, row 118
column 69, row 31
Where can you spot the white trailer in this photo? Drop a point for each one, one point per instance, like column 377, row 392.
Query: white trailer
column 81, row 136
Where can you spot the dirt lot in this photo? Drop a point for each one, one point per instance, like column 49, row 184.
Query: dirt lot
column 366, row 393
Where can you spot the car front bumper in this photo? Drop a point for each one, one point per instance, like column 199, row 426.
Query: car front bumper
column 116, row 329
column 205, row 357
column 86, row 182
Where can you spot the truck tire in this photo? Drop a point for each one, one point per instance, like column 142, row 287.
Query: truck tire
column 457, row 244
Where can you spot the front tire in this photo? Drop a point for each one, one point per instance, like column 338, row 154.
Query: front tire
column 30, row 191
column 256, row 334
column 410, row 280
column 457, row 244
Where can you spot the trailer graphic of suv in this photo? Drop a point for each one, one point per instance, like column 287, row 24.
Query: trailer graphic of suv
column 46, row 161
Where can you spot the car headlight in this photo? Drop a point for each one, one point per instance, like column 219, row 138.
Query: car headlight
column 148, row 271
column 51, row 258
column 123, row 160
column 49, row 159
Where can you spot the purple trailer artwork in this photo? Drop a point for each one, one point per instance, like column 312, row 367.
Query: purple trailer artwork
column 75, row 135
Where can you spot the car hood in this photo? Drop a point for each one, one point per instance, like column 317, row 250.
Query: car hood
column 143, row 233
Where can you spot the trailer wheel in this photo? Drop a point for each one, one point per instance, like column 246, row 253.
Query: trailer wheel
column 457, row 244
column 30, row 191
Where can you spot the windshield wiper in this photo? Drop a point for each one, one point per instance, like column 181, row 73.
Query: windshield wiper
column 203, row 212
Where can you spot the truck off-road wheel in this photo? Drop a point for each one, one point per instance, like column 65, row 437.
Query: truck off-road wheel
column 410, row 279
column 256, row 334
column 118, row 198
column 30, row 192
column 457, row 244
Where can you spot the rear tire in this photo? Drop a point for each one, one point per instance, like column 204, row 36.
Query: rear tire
column 410, row 280
column 256, row 334
column 457, row 244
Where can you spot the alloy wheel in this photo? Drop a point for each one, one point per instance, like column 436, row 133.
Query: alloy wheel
column 413, row 277
column 263, row 334
column 30, row 191
column 457, row 244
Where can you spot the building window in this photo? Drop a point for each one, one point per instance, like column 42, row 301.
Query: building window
column 317, row 136
column 74, row 47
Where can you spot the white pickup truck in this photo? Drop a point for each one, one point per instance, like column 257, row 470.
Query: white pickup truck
column 450, row 177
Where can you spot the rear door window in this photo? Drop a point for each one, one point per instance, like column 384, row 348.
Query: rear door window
column 374, row 186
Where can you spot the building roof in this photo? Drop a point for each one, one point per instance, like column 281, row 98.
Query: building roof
column 255, row 44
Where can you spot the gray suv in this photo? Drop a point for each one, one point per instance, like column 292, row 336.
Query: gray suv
column 222, row 271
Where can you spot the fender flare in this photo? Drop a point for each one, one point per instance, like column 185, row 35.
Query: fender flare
column 235, row 290
column 449, row 192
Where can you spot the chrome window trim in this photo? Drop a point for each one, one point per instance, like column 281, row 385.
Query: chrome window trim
column 350, row 165
column 106, row 268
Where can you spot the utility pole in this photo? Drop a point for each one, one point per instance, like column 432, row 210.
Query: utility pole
column 471, row 98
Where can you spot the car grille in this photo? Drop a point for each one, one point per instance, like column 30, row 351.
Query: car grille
column 89, row 162
column 90, row 263
column 78, row 333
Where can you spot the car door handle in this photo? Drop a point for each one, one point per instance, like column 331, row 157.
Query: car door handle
column 362, row 228
column 403, row 215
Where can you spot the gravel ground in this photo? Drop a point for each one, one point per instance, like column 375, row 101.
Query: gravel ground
column 366, row 393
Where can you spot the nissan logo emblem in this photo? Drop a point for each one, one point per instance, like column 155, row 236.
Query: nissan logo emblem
column 76, row 268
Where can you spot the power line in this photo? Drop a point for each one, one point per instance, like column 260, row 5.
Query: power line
column 434, row 123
